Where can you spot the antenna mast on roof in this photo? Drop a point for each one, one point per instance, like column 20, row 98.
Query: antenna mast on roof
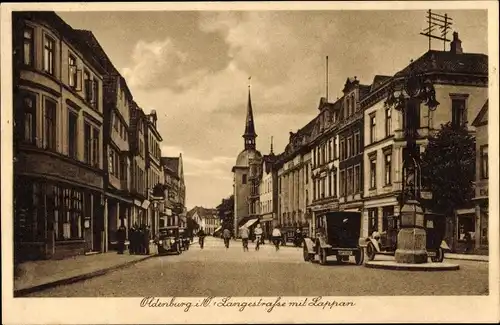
column 440, row 21
column 326, row 79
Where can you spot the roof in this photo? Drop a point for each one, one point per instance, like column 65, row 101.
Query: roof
column 482, row 116
column 171, row 163
column 249, row 124
column 378, row 80
column 445, row 61
column 203, row 213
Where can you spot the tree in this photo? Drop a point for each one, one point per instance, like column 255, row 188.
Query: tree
column 448, row 171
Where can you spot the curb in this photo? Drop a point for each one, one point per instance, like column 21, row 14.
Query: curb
column 77, row 278
column 466, row 259
column 413, row 267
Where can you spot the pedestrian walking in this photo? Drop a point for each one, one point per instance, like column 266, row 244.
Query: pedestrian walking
column 201, row 237
column 258, row 236
column 147, row 233
column 244, row 234
column 121, row 235
column 226, row 234
column 277, row 237
column 132, row 236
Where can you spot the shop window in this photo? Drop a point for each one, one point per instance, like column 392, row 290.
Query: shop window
column 30, row 211
column 466, row 226
column 372, row 220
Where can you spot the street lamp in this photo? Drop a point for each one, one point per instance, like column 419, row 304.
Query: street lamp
column 416, row 89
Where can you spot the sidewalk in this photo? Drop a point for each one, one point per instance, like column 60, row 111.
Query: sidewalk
column 39, row 275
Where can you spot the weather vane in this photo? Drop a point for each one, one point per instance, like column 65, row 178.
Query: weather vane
column 437, row 21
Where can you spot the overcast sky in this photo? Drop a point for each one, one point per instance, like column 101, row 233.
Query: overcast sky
column 193, row 69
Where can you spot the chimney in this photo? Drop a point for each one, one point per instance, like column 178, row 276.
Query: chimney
column 456, row 44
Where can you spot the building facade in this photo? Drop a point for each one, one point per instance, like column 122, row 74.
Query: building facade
column 268, row 193
column 482, row 175
column 325, row 160
column 58, row 140
column 207, row 219
column 246, row 175
column 461, row 84
column 174, row 213
column 154, row 170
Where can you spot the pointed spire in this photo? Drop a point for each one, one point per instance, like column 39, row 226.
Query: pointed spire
column 249, row 134
column 271, row 152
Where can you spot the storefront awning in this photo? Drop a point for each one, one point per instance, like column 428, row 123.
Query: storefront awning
column 218, row 228
column 249, row 223
column 146, row 204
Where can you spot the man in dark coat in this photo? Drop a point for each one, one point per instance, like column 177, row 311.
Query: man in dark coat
column 145, row 239
column 121, row 236
column 132, row 236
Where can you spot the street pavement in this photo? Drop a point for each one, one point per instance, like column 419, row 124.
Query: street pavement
column 217, row 271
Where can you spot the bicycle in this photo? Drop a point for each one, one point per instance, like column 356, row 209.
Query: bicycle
column 201, row 241
column 258, row 242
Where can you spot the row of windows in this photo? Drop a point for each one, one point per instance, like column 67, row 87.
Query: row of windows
column 387, row 170
column 117, row 165
column 154, row 147
column 119, row 127
column 90, row 85
column 325, row 187
column 139, row 179
column 350, row 181
column 26, row 129
column 266, row 206
column 324, row 153
column 350, row 146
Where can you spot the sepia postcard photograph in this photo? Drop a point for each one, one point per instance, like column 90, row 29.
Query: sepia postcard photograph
column 250, row 162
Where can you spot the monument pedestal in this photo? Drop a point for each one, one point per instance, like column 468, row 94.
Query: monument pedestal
column 412, row 239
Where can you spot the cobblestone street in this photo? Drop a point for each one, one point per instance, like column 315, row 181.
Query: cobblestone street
column 215, row 271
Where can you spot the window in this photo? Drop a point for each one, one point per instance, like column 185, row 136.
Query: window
column 95, row 148
column 334, row 148
column 357, row 144
column 330, row 151
column 349, row 147
column 28, row 47
column 348, row 107
column 372, row 128
column 349, row 181
column 50, row 124
column 387, row 167
column 48, row 55
column 111, row 162
column 373, row 173
column 27, row 124
column 386, row 211
column 244, row 179
column 87, row 143
column 72, row 71
column 484, row 161
column 88, row 86
column 73, row 135
column 388, row 126
column 342, row 183
column 458, row 111
column 330, row 189
column 342, row 150
column 357, row 177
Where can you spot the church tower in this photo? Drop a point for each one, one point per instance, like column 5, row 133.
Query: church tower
column 246, row 173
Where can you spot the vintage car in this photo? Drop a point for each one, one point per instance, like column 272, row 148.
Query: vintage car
column 168, row 240
column 184, row 238
column 434, row 225
column 337, row 234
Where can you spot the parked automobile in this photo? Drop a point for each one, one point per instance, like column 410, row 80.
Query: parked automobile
column 168, row 240
column 184, row 238
column 434, row 225
column 338, row 234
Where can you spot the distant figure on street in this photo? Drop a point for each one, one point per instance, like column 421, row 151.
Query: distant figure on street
column 201, row 237
column 258, row 236
column 244, row 234
column 147, row 233
column 277, row 237
column 226, row 234
column 132, row 239
column 468, row 242
column 121, row 235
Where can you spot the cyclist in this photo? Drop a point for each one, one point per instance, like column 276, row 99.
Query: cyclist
column 258, row 236
column 226, row 234
column 201, row 237
column 277, row 237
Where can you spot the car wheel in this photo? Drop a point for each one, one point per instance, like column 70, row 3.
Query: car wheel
column 370, row 252
column 439, row 256
column 359, row 257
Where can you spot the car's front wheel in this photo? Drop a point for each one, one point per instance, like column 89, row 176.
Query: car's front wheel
column 371, row 251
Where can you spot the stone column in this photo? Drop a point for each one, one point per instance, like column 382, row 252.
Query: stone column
column 411, row 240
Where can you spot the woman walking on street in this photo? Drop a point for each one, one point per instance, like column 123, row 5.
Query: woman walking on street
column 244, row 233
column 258, row 236
column 201, row 237
column 226, row 234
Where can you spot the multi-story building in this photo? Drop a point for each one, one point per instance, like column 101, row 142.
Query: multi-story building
column 268, row 193
column 174, row 212
column 207, row 219
column 58, row 140
column 117, row 175
column 325, row 159
column 350, row 131
column 461, row 84
column 481, row 184
column 247, row 176
column 294, row 181
column 154, row 170
column 139, row 187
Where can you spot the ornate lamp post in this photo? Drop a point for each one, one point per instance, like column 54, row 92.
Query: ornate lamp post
column 411, row 244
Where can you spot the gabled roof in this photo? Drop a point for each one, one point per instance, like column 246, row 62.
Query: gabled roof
column 378, row 81
column 203, row 213
column 171, row 163
column 449, row 62
column 482, row 116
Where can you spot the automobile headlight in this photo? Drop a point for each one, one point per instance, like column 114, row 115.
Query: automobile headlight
column 160, row 242
column 172, row 241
